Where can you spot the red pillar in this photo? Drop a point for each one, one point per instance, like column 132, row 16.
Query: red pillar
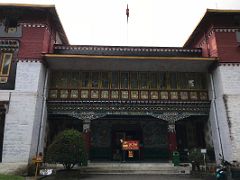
column 172, row 139
column 87, row 140
column 87, row 137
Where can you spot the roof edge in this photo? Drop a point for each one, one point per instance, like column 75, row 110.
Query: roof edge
column 28, row 5
column 52, row 10
column 128, row 57
column 207, row 12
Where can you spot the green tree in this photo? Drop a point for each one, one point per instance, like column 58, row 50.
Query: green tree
column 67, row 149
column 196, row 158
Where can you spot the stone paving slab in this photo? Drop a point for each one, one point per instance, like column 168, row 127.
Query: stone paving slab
column 127, row 177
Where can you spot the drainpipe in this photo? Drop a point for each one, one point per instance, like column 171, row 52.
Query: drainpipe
column 40, row 132
column 216, row 113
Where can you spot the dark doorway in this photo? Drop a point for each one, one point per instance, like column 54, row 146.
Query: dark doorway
column 2, row 122
column 190, row 134
column 126, row 132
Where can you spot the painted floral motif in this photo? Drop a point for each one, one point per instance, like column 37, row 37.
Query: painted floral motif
column 84, row 94
column 134, row 94
column 94, row 94
column 104, row 94
column 124, row 94
column 63, row 93
column 183, row 95
column 114, row 94
column 74, row 94
column 193, row 95
column 174, row 95
column 154, row 95
column 144, row 94
column 53, row 94
column 164, row 95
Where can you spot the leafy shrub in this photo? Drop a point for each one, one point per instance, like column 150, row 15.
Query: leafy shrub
column 196, row 156
column 67, row 149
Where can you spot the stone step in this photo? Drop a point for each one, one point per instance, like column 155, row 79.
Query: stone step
column 135, row 168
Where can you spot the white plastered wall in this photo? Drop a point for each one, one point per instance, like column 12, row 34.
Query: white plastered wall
column 25, row 113
column 224, row 116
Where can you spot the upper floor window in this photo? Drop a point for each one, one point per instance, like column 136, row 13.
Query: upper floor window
column 127, row 80
column 5, row 67
column 9, row 27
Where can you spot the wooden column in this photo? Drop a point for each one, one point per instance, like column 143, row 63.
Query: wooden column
column 87, row 135
column 172, row 139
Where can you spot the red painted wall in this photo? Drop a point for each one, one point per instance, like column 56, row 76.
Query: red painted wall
column 36, row 40
column 31, row 43
column 228, row 48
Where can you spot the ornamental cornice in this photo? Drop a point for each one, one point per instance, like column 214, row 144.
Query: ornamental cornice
column 29, row 60
column 161, row 111
column 226, row 30
column 230, row 64
column 87, row 116
column 9, row 45
column 172, row 117
column 34, row 25
column 124, row 49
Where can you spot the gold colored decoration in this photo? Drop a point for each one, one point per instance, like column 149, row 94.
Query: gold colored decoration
column 114, row 94
column 74, row 94
column 174, row 95
column 134, row 94
column 184, row 95
column 64, row 94
column 3, row 79
column 164, row 95
column 105, row 94
column 144, row 94
column 84, row 94
column 193, row 95
column 53, row 94
column 94, row 94
column 154, row 95
column 203, row 95
column 124, row 94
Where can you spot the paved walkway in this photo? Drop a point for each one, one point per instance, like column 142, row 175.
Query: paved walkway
column 126, row 177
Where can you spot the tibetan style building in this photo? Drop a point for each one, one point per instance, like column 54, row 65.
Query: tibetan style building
column 166, row 99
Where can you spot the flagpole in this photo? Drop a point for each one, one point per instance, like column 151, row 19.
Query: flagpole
column 127, row 14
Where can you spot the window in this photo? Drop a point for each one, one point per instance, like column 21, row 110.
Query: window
column 10, row 25
column 105, row 80
column 163, row 80
column 124, row 80
column 173, row 80
column 95, row 79
column 5, row 67
column 115, row 80
column 134, row 80
column 74, row 80
column 85, row 79
column 143, row 79
column 153, row 79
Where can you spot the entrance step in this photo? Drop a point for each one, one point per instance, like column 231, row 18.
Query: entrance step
column 135, row 168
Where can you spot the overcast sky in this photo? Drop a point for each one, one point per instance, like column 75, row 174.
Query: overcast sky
column 165, row 23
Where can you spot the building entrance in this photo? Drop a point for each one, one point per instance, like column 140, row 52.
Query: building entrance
column 149, row 132
column 118, row 136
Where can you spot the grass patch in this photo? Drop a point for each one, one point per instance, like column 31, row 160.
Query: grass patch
column 10, row 177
